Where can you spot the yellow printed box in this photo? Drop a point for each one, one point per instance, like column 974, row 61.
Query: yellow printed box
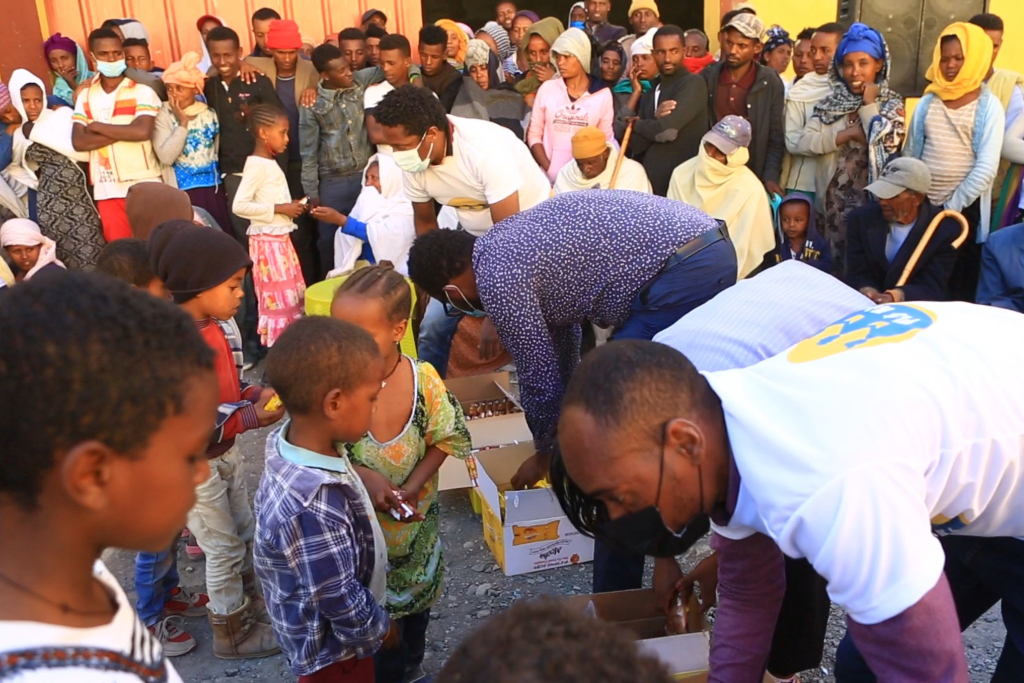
column 485, row 432
column 525, row 530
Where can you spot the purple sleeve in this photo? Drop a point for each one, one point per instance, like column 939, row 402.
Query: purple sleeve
column 751, row 585
column 921, row 643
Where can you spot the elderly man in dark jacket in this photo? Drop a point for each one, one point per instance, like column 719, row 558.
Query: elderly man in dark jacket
column 884, row 234
column 739, row 85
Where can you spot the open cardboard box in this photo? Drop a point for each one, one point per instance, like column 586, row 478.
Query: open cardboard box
column 533, row 534
column 686, row 655
column 489, row 432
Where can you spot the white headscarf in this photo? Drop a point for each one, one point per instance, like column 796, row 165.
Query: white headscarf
column 133, row 28
column 21, row 232
column 576, row 43
column 643, row 45
column 19, row 169
column 388, row 217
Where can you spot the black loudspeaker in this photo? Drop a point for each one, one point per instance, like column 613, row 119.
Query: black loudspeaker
column 911, row 27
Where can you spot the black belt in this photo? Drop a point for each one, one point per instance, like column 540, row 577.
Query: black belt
column 697, row 244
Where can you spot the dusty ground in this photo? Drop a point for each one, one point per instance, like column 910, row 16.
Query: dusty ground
column 474, row 589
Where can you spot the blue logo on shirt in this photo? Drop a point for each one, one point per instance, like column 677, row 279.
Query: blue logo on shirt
column 881, row 325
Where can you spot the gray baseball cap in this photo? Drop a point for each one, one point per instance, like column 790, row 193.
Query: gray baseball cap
column 749, row 25
column 729, row 134
column 903, row 173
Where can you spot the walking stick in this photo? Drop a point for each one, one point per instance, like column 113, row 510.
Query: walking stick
column 932, row 227
column 622, row 153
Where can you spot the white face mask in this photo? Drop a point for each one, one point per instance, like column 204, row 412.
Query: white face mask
column 409, row 160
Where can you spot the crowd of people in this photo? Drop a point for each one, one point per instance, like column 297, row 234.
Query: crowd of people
column 551, row 179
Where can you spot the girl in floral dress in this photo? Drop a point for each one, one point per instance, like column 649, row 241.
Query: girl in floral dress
column 418, row 423
column 264, row 200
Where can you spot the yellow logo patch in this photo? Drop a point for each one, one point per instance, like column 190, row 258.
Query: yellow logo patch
column 885, row 324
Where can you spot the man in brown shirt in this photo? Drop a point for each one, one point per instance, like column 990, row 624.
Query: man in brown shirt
column 740, row 86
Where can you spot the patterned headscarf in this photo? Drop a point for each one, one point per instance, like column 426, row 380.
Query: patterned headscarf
column 500, row 37
column 775, row 37
column 5, row 96
column 477, row 52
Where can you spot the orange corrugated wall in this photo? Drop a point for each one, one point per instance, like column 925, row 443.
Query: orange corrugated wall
column 172, row 23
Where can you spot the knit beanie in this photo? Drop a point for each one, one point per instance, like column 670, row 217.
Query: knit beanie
column 191, row 259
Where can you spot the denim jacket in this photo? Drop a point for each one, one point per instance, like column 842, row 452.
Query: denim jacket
column 989, row 123
column 332, row 133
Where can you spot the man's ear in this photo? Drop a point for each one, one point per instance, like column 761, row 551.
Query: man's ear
column 686, row 439
column 86, row 473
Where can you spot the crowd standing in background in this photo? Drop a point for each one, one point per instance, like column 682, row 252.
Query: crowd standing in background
column 541, row 176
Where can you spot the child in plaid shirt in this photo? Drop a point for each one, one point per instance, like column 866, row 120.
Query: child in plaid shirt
column 320, row 552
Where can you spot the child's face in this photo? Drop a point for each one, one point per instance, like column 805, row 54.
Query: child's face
column 794, row 217
column 141, row 502
column 350, row 413
column 369, row 313
column 275, row 136
column 33, row 101
column 222, row 301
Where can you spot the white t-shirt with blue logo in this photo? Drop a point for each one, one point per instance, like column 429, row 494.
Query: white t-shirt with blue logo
column 857, row 445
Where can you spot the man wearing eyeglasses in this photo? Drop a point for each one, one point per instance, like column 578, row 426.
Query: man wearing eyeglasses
column 619, row 259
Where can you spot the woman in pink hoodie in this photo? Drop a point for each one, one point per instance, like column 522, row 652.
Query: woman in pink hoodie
column 567, row 104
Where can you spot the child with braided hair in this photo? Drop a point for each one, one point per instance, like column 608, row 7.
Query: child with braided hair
column 417, row 424
column 264, row 200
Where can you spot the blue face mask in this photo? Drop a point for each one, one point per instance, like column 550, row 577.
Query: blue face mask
column 409, row 160
column 111, row 69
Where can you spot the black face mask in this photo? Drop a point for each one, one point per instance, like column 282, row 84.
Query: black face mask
column 645, row 532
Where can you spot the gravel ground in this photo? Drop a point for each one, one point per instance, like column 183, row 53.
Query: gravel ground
column 475, row 588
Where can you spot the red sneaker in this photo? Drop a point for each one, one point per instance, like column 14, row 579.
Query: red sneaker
column 185, row 603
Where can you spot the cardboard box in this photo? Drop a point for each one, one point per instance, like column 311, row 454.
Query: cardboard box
column 686, row 655
column 490, row 432
column 533, row 534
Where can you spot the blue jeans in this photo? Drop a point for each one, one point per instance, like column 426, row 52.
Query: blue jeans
column 339, row 193
column 671, row 294
column 156, row 575
column 436, row 334
column 981, row 572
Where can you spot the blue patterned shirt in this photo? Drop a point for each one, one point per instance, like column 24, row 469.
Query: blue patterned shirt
column 314, row 554
column 196, row 166
column 581, row 256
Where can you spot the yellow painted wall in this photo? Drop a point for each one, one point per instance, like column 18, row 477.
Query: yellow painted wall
column 1012, row 54
column 795, row 16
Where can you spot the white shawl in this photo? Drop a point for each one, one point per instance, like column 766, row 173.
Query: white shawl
column 388, row 217
column 632, row 176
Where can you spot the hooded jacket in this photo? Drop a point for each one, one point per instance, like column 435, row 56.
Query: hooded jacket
column 816, row 251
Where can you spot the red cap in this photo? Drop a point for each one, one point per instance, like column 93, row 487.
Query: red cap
column 205, row 18
column 284, row 35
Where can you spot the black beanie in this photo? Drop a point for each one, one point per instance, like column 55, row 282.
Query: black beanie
column 191, row 259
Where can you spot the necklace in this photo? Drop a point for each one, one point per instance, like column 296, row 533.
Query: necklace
column 62, row 606
column 388, row 376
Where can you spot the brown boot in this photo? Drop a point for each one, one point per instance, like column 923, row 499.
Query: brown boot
column 239, row 636
column 251, row 590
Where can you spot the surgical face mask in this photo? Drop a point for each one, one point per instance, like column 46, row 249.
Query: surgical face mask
column 645, row 532
column 409, row 160
column 459, row 304
column 111, row 69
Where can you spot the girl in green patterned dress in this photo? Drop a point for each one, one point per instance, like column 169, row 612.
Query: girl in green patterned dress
column 417, row 424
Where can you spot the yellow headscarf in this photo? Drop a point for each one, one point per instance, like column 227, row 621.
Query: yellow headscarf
column 977, row 47
column 451, row 27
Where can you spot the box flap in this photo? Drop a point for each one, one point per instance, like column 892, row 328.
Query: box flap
column 682, row 654
column 531, row 505
column 502, row 430
column 480, row 387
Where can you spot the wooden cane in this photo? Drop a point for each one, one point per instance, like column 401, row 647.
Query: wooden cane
column 932, row 227
column 622, row 153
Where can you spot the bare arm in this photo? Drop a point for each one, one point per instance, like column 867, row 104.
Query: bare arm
column 423, row 217
column 139, row 130
column 509, row 206
column 421, row 474
column 84, row 140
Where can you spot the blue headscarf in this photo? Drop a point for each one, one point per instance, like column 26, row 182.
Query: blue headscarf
column 860, row 38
